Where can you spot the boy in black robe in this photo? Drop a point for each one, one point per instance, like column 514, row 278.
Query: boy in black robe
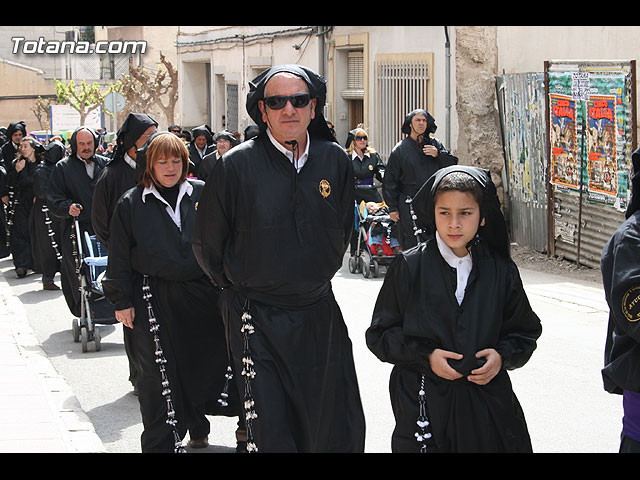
column 411, row 162
column 453, row 317
column 272, row 227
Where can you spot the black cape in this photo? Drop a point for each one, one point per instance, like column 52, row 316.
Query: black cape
column 69, row 183
column 406, row 171
column 20, row 238
column 275, row 238
column 417, row 312
column 144, row 240
column 43, row 222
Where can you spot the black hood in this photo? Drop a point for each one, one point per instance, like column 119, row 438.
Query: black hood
column 494, row 231
column 74, row 145
column 14, row 127
column 228, row 135
column 317, row 89
column 202, row 130
column 130, row 130
column 431, row 122
column 54, row 152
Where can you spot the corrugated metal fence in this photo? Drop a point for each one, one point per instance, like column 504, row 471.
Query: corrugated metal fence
column 557, row 199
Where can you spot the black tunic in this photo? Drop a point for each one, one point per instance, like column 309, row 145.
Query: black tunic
column 275, row 238
column 69, row 183
column 45, row 255
column 621, row 282
column 22, row 184
column 364, row 171
column 417, row 312
column 116, row 178
column 144, row 240
column 407, row 169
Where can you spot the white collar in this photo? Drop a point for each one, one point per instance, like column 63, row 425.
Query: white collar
column 185, row 189
column 129, row 161
column 354, row 154
column 302, row 159
column 462, row 265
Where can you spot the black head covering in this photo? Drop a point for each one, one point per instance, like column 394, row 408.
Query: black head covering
column 141, row 155
column 634, row 203
column 250, row 132
column 74, row 145
column 317, row 89
column 229, row 136
column 134, row 125
column 494, row 231
column 54, row 152
column 202, row 130
column 14, row 127
column 431, row 122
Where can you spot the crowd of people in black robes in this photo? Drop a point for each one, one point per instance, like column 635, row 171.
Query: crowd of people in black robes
column 220, row 260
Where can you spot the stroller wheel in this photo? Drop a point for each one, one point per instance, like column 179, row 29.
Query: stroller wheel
column 75, row 330
column 84, row 338
column 375, row 269
column 353, row 264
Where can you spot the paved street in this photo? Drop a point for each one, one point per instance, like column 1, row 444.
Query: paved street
column 560, row 389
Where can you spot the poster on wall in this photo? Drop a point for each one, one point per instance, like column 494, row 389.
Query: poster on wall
column 602, row 145
column 565, row 170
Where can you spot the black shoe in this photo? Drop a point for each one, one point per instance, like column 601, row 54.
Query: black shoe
column 21, row 272
column 241, row 447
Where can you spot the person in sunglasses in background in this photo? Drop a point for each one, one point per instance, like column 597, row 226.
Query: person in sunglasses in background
column 272, row 227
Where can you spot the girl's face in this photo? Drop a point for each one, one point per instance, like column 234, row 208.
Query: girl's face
column 167, row 171
column 457, row 219
column 26, row 150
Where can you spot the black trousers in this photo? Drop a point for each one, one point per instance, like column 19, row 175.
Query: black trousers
column 629, row 445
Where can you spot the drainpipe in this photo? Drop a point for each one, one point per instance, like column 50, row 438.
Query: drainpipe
column 447, row 50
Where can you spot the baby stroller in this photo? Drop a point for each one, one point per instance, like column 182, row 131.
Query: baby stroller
column 366, row 260
column 95, row 308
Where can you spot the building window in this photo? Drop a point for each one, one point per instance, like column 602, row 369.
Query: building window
column 402, row 85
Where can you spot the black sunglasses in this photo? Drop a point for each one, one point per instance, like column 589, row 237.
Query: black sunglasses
column 276, row 102
column 360, row 137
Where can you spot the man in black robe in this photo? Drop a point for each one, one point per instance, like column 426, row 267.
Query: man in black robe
column 70, row 195
column 201, row 145
column 44, row 227
column 272, row 227
column 225, row 141
column 119, row 175
column 411, row 163
column 620, row 265
column 15, row 132
column 122, row 172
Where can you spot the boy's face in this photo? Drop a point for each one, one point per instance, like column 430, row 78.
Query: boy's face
column 457, row 219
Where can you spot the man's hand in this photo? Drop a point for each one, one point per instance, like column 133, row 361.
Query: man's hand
column 75, row 209
column 126, row 316
column 430, row 150
column 395, row 216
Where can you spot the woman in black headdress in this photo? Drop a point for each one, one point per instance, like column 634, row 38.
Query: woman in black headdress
column 20, row 178
column 452, row 317
column 161, row 294
column 44, row 227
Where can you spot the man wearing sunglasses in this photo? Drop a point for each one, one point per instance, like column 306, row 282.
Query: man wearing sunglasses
column 272, row 227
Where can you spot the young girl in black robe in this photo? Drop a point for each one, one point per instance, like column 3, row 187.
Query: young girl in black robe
column 453, row 317
column 150, row 253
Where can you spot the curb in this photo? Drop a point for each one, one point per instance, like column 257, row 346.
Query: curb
column 74, row 428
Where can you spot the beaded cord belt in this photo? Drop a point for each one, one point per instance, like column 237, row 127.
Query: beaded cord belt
column 154, row 327
column 423, row 433
column 248, row 373
column 47, row 222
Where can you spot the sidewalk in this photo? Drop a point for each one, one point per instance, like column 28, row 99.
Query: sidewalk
column 38, row 411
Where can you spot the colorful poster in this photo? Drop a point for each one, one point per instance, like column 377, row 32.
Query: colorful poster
column 601, row 131
column 565, row 169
